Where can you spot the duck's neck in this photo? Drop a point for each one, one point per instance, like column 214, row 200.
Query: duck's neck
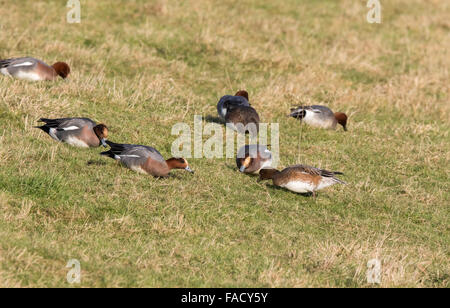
column 172, row 163
column 268, row 174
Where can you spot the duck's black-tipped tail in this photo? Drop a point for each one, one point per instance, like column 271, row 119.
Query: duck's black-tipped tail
column 5, row 63
column 339, row 181
column 110, row 143
column 336, row 179
column 108, row 153
column 44, row 128
column 297, row 113
column 115, row 149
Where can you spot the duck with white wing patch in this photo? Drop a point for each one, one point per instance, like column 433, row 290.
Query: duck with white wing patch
column 32, row 69
column 145, row 159
column 79, row 132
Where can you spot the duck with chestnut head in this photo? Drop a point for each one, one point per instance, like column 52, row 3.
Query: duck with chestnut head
column 145, row 159
column 79, row 132
column 32, row 69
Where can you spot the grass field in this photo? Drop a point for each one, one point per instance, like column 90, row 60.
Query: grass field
column 142, row 66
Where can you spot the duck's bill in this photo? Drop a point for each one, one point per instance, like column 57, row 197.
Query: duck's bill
column 242, row 169
column 188, row 169
column 103, row 141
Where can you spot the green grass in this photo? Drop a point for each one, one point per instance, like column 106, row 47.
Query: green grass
column 141, row 67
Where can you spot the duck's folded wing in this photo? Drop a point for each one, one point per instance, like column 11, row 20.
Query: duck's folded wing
column 314, row 171
column 236, row 101
column 299, row 108
column 324, row 110
column 68, row 123
column 134, row 155
column 320, row 172
column 18, row 63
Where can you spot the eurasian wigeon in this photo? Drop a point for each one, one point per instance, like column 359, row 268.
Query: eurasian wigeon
column 144, row 159
column 252, row 158
column 243, row 119
column 33, row 69
column 79, row 132
column 227, row 101
column 319, row 116
column 301, row 178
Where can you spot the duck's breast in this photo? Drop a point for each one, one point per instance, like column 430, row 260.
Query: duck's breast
column 299, row 186
column 156, row 167
column 320, row 120
column 85, row 136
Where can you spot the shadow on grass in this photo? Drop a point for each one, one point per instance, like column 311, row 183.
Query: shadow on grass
column 212, row 119
column 96, row 162
column 232, row 167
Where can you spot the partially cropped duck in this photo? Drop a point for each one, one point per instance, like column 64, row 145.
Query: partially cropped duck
column 252, row 158
column 319, row 116
column 79, row 132
column 145, row 159
column 32, row 69
column 228, row 101
column 301, row 178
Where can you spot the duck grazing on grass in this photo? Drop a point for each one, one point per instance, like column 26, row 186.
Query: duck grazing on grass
column 145, row 159
column 79, row 132
column 319, row 116
column 32, row 69
column 228, row 101
column 243, row 119
column 252, row 158
column 301, row 178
